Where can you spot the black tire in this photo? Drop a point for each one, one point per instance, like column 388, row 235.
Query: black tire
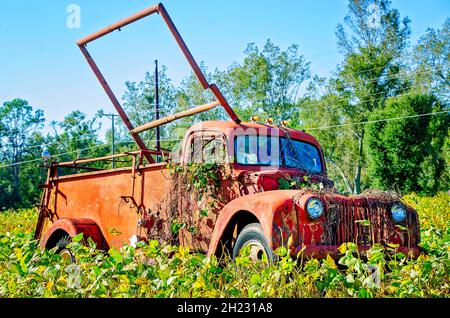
column 64, row 251
column 253, row 234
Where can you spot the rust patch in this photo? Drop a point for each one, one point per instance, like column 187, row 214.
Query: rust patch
column 364, row 219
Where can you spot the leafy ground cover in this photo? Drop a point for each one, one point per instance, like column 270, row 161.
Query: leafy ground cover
column 151, row 270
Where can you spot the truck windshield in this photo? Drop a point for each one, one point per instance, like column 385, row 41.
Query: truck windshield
column 274, row 151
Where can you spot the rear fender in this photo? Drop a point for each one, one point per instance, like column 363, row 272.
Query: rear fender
column 73, row 227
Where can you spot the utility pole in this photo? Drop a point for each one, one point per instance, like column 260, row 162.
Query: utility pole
column 113, row 132
column 158, row 131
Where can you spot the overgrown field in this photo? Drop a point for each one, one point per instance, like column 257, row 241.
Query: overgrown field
column 154, row 271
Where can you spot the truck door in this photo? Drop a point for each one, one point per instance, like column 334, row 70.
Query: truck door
column 199, row 211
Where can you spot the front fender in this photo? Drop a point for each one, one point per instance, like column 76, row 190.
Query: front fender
column 275, row 212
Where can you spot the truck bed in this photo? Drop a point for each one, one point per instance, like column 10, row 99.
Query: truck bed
column 115, row 199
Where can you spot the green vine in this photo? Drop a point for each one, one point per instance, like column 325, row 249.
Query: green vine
column 296, row 183
column 196, row 183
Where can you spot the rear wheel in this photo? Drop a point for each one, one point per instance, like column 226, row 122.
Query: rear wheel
column 67, row 256
column 253, row 238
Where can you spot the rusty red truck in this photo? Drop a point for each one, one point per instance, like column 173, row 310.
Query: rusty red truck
column 229, row 185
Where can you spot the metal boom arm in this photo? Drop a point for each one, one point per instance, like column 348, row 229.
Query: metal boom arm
column 158, row 8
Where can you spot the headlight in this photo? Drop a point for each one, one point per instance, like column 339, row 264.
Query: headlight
column 398, row 212
column 314, row 207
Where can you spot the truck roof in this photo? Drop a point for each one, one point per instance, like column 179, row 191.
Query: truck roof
column 228, row 126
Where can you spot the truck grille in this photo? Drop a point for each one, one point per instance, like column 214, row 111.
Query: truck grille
column 349, row 222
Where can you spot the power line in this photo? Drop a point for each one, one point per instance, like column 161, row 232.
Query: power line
column 321, row 102
column 312, row 128
column 404, row 75
column 313, row 104
column 365, row 82
column 398, row 76
column 312, row 56
column 379, row 120
column 46, row 144
column 166, row 111
column 312, row 108
column 55, row 156
column 367, row 70
column 76, row 151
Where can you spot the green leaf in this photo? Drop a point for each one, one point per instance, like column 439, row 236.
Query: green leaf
column 350, row 279
column 256, row 279
column 398, row 256
column 364, row 222
column 352, row 247
column 362, row 293
column 281, row 251
column 343, row 248
column 176, row 227
column 77, row 238
column 330, row 262
column 118, row 258
column 153, row 244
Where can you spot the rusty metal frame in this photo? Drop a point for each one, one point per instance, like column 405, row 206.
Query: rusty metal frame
column 43, row 207
column 142, row 153
column 157, row 8
column 171, row 118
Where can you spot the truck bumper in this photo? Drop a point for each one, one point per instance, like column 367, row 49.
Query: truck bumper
column 320, row 252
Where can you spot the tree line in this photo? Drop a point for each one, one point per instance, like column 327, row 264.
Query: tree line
column 381, row 116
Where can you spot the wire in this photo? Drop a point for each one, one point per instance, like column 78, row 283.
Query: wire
column 351, row 73
column 320, row 102
column 152, row 84
column 43, row 145
column 55, row 156
column 379, row 120
column 405, row 75
column 312, row 128
column 76, row 151
column 386, row 77
column 399, row 75
column 46, row 144
column 313, row 105
column 163, row 111
column 367, row 71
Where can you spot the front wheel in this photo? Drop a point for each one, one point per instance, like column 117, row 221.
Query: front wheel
column 252, row 237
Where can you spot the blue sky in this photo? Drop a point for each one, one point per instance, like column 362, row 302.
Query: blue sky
column 40, row 62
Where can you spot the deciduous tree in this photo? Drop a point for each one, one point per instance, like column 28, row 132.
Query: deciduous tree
column 19, row 134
